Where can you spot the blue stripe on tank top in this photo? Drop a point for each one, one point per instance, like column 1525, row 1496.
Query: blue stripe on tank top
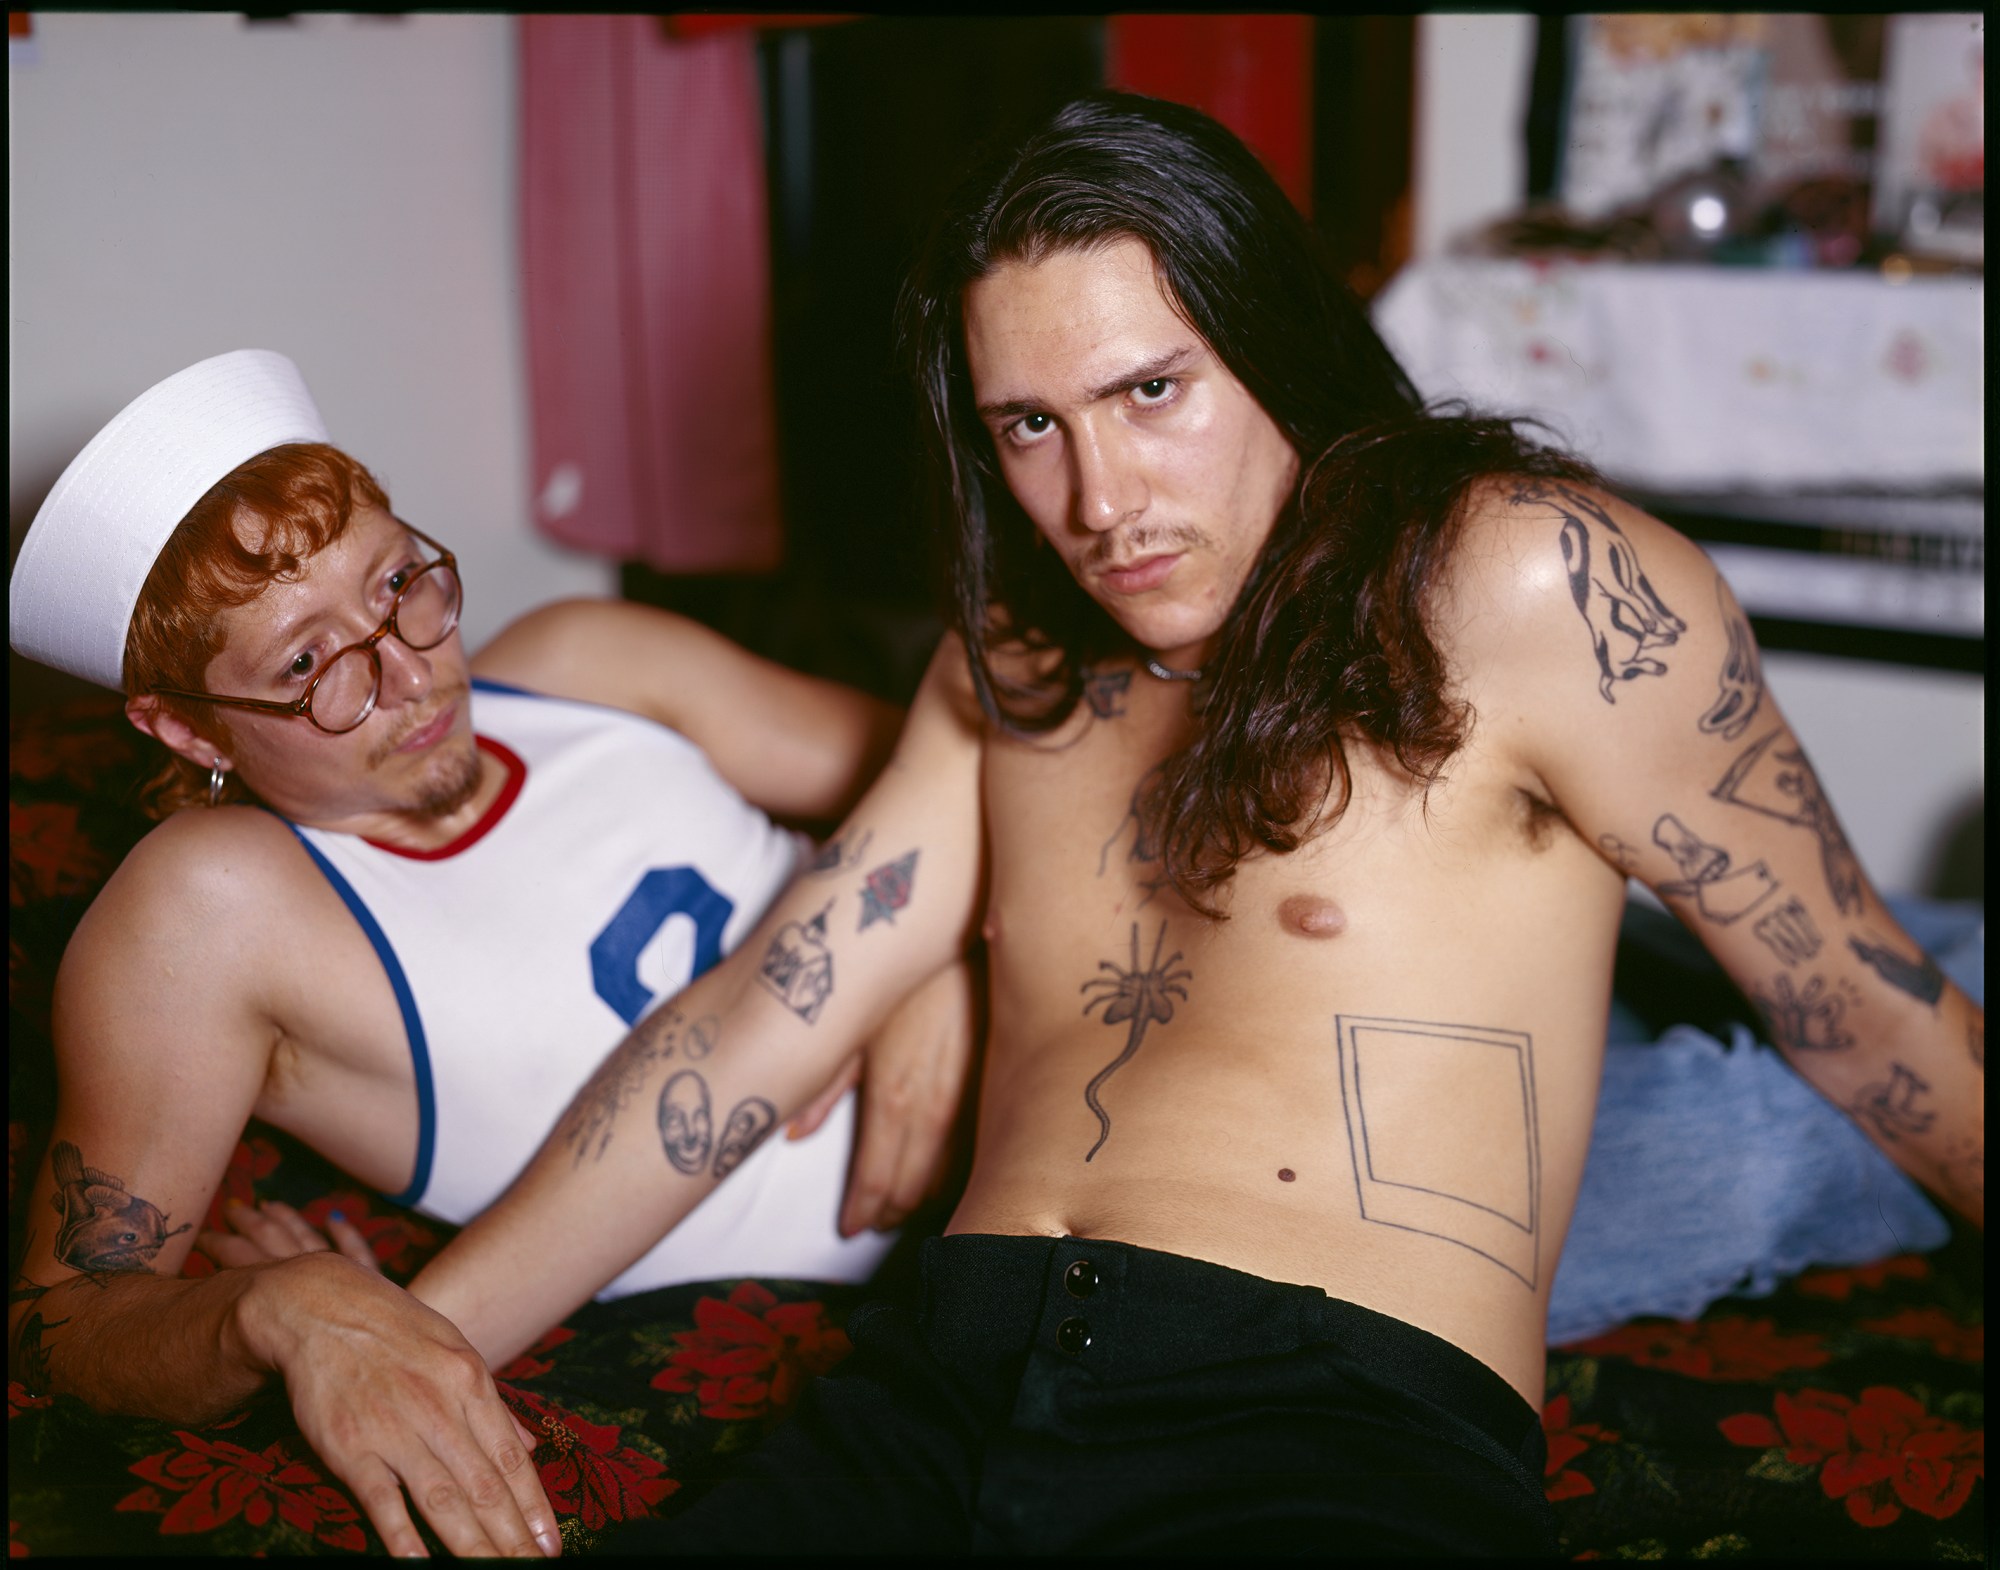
column 413, row 1025
column 487, row 684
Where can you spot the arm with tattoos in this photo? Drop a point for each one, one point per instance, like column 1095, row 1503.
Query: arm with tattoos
column 165, row 1031
column 702, row 1080
column 1634, row 677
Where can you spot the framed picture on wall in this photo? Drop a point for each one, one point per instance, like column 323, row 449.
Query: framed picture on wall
column 1931, row 176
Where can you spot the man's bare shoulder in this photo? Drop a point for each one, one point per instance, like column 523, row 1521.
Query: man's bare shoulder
column 598, row 651
column 1533, row 554
column 216, row 882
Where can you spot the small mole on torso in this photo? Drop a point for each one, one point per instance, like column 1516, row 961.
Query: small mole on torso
column 1312, row 916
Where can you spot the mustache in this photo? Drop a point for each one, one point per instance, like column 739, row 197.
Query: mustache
column 457, row 694
column 1146, row 539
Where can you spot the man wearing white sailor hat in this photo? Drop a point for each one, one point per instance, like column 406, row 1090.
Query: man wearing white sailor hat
column 425, row 945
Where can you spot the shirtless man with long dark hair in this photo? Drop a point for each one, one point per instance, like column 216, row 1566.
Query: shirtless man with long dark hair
column 1292, row 749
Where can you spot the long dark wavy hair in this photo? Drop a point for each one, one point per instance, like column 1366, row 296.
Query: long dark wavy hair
column 1328, row 641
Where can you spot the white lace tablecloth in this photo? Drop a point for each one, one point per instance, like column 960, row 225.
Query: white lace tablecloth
column 1706, row 379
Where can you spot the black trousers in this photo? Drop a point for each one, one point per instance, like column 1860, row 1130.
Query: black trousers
column 1068, row 1395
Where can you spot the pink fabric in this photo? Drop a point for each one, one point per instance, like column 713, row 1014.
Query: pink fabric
column 647, row 279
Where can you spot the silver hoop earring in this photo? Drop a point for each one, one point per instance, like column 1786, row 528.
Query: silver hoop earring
column 215, row 778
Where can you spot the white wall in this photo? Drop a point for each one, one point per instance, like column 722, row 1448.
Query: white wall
column 1902, row 751
column 341, row 188
column 1470, row 157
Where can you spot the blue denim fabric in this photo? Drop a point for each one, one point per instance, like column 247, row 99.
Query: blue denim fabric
column 1716, row 1169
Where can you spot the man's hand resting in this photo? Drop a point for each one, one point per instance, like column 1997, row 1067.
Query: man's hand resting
column 394, row 1399
column 913, row 1078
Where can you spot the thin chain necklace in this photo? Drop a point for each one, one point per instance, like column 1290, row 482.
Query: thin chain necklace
column 1167, row 673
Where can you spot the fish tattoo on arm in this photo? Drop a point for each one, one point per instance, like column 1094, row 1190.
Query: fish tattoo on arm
column 103, row 1226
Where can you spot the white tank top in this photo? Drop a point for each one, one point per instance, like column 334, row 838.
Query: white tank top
column 615, row 866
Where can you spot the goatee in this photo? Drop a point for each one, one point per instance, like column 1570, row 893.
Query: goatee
column 450, row 785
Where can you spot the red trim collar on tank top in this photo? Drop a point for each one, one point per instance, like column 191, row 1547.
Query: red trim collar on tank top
column 517, row 776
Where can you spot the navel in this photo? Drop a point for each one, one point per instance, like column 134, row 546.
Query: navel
column 1312, row 916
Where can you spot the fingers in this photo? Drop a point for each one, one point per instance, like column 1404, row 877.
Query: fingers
column 471, row 1477
column 228, row 1250
column 352, row 1242
column 821, row 1105
column 878, row 1151
column 292, row 1226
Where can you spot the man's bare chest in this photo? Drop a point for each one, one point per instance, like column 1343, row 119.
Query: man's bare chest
column 1396, row 883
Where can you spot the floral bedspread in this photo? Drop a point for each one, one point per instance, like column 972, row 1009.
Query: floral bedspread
column 1842, row 1417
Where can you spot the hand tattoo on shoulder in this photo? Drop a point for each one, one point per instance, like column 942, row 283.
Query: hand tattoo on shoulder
column 886, row 890
column 687, row 1127
column 1918, row 977
column 1627, row 619
column 1134, row 998
column 798, row 967
column 1778, row 782
column 102, row 1226
column 1742, row 677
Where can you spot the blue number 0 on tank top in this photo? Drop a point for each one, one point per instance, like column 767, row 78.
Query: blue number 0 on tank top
column 662, row 893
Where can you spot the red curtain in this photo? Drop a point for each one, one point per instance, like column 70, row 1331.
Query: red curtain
column 1253, row 73
column 646, row 271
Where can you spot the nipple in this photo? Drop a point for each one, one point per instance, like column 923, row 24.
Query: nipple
column 1312, row 916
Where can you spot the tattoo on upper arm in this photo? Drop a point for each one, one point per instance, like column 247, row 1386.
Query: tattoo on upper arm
column 1788, row 932
column 1892, row 1105
column 686, row 1124
column 102, row 1225
column 1742, row 677
column 798, row 967
column 746, row 1129
column 1722, row 893
column 841, row 852
column 593, row 1116
column 1135, row 998
column 1622, row 855
column 1918, row 977
column 1626, row 617
column 1975, row 1041
column 1409, row 1175
column 1105, row 691
column 1808, row 1018
column 886, row 890
column 1780, row 783
column 687, row 1127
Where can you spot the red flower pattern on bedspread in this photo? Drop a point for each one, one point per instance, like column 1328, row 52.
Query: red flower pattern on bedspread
column 1944, row 1335
column 48, row 854
column 1840, row 1285
column 748, row 1356
column 531, row 1364
column 1722, row 1348
column 19, row 1399
column 218, row 1481
column 402, row 1243
column 585, row 1470
column 1881, row 1453
column 1566, row 1442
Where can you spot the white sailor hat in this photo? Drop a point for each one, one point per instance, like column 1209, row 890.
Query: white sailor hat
column 104, row 524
